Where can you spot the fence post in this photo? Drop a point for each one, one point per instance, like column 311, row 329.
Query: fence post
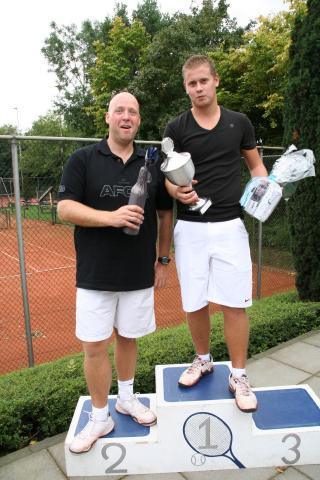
column 15, row 169
column 259, row 266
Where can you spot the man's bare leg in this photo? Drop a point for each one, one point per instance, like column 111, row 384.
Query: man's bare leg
column 236, row 328
column 98, row 372
column 125, row 356
column 199, row 325
column 127, row 403
column 236, row 331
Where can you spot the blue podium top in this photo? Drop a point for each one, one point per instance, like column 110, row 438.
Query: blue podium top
column 277, row 408
column 211, row 387
column 286, row 408
column 125, row 426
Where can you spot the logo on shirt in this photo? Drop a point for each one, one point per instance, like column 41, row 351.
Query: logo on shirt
column 61, row 189
column 115, row 191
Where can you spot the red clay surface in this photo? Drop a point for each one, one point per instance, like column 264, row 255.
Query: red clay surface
column 50, row 267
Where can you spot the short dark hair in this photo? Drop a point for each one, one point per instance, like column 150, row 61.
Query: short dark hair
column 196, row 61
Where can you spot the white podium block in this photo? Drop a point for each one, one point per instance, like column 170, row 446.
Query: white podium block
column 200, row 428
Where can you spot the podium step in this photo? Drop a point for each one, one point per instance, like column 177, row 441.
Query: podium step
column 200, row 428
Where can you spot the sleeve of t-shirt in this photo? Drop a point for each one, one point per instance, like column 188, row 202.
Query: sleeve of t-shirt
column 248, row 141
column 72, row 186
column 171, row 131
column 163, row 199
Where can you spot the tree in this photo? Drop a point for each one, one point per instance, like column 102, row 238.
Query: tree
column 5, row 151
column 254, row 76
column 158, row 83
column 302, row 127
column 151, row 17
column 117, row 64
column 46, row 158
column 71, row 54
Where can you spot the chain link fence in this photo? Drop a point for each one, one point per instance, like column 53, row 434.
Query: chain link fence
column 37, row 258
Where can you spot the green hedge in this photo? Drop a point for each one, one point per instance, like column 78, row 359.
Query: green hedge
column 39, row 402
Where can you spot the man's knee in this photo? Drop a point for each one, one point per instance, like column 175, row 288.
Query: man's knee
column 95, row 349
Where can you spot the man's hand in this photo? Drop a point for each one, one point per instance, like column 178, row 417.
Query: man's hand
column 186, row 195
column 161, row 275
column 127, row 216
column 183, row 194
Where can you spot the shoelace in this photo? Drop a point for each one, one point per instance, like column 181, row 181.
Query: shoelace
column 86, row 431
column 243, row 385
column 136, row 405
column 197, row 362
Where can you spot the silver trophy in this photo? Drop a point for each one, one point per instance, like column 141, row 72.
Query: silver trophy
column 179, row 170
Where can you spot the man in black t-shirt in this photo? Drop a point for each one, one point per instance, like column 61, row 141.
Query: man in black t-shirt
column 116, row 272
column 212, row 249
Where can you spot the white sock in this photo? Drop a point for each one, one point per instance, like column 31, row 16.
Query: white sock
column 100, row 414
column 125, row 389
column 205, row 357
column 238, row 372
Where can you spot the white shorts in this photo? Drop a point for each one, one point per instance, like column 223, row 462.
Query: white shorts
column 213, row 264
column 98, row 312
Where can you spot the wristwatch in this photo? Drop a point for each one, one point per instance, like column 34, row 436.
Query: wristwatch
column 164, row 260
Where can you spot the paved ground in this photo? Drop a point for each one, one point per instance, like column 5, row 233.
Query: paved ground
column 292, row 363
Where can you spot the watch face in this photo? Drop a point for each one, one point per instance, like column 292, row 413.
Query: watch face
column 164, row 260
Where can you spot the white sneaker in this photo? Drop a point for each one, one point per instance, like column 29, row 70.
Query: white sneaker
column 94, row 429
column 245, row 398
column 197, row 370
column 139, row 412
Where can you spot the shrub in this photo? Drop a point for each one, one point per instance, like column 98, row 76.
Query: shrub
column 39, row 402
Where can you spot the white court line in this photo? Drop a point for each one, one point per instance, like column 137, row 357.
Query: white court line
column 16, row 259
column 37, row 271
column 45, row 249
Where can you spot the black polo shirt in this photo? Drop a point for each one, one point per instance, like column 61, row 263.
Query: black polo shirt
column 216, row 155
column 107, row 258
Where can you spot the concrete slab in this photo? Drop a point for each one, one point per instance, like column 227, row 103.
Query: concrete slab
column 300, row 355
column 292, row 474
column 314, row 383
column 238, row 474
column 154, row 476
column 313, row 471
column 267, row 372
column 57, row 453
column 38, row 466
column 15, row 456
column 313, row 339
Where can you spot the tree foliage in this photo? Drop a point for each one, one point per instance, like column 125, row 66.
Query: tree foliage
column 5, row 151
column 254, row 75
column 302, row 127
column 71, row 55
column 151, row 17
column 145, row 53
column 46, row 158
column 116, row 64
column 158, row 84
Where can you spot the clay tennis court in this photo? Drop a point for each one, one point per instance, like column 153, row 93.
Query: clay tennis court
column 50, row 267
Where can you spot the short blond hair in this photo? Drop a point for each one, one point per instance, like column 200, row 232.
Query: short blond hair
column 196, row 61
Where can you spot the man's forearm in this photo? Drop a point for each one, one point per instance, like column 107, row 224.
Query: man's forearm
column 171, row 188
column 165, row 232
column 82, row 215
column 259, row 171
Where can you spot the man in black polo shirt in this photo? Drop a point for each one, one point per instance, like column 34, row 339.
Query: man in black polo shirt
column 212, row 250
column 116, row 272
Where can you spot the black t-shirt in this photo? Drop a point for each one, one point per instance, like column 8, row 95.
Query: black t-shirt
column 107, row 258
column 217, row 160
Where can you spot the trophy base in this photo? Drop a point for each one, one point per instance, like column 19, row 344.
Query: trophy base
column 201, row 206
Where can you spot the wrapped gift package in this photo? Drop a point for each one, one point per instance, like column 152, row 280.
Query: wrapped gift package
column 260, row 198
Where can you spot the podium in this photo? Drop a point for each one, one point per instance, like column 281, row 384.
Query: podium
column 200, row 428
